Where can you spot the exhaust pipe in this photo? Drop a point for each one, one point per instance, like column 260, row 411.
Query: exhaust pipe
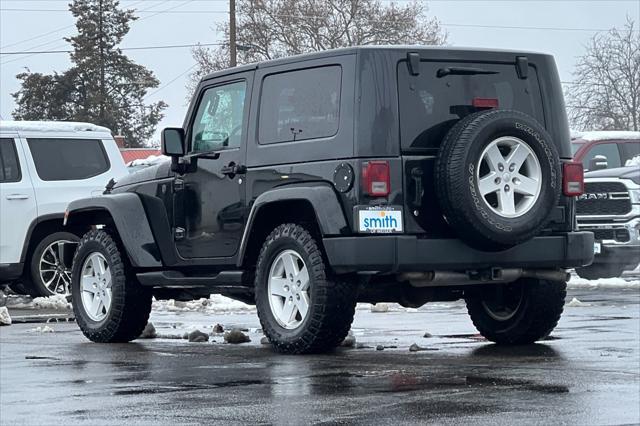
column 492, row 276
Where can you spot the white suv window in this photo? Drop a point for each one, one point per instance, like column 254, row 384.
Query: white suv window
column 68, row 159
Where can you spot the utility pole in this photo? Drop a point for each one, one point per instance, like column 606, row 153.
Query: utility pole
column 232, row 33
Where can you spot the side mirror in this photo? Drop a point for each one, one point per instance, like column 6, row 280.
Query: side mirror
column 598, row 162
column 172, row 141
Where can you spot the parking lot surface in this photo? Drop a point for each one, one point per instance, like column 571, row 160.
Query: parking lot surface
column 587, row 373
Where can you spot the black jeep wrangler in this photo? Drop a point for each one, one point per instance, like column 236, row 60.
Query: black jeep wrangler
column 368, row 174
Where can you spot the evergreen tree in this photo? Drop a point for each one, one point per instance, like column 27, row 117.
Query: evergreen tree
column 104, row 86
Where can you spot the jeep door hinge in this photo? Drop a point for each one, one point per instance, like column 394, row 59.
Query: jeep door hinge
column 178, row 184
column 178, row 233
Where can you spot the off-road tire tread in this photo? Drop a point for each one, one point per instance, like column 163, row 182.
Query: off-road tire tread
column 450, row 191
column 131, row 303
column 542, row 312
column 332, row 309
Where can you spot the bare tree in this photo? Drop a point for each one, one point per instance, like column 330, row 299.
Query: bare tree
column 605, row 92
column 268, row 29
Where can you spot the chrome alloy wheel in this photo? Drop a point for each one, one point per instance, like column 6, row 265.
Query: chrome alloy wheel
column 96, row 284
column 288, row 289
column 55, row 276
column 509, row 177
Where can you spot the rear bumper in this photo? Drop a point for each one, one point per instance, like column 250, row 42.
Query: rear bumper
column 406, row 253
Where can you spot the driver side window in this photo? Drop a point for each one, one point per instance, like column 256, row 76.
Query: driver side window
column 218, row 122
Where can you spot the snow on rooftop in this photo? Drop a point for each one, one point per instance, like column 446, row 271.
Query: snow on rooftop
column 51, row 126
column 606, row 135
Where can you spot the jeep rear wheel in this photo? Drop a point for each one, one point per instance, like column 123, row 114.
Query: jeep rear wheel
column 518, row 313
column 498, row 178
column 301, row 309
column 108, row 302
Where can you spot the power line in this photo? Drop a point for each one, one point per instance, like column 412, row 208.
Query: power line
column 58, row 30
column 139, row 20
column 170, row 81
column 137, row 11
column 171, row 46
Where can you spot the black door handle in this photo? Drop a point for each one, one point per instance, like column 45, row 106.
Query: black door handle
column 233, row 169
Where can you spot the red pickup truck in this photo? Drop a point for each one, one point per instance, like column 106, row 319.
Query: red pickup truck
column 617, row 147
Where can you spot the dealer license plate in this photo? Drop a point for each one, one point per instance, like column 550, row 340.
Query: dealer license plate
column 385, row 219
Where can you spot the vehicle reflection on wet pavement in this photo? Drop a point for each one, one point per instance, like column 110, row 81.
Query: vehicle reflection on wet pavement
column 588, row 372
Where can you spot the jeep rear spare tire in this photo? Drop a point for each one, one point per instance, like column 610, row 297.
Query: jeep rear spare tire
column 498, row 178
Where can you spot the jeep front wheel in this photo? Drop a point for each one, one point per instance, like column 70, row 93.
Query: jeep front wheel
column 302, row 309
column 517, row 313
column 108, row 303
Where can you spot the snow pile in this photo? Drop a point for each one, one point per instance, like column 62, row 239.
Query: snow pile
column 214, row 304
column 5, row 318
column 149, row 161
column 575, row 303
column 606, row 135
column 633, row 162
column 57, row 302
column 42, row 329
column 577, row 282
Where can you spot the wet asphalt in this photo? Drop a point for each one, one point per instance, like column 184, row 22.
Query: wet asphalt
column 587, row 373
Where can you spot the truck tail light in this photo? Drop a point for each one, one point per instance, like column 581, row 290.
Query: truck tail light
column 375, row 178
column 484, row 103
column 572, row 179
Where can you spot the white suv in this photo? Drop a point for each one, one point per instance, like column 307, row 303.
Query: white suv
column 44, row 166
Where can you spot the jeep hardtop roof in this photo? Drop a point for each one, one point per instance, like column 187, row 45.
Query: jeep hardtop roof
column 440, row 51
column 51, row 126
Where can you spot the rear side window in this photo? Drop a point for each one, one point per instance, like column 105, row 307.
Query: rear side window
column 299, row 105
column 433, row 101
column 630, row 150
column 9, row 164
column 68, row 159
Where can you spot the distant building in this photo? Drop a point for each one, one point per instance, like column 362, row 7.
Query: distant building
column 130, row 154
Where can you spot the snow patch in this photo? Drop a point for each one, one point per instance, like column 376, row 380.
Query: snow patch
column 214, row 304
column 577, row 303
column 149, row 161
column 5, row 318
column 42, row 329
column 577, row 282
column 56, row 302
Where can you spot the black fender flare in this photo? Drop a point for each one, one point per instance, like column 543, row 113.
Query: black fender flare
column 131, row 222
column 322, row 197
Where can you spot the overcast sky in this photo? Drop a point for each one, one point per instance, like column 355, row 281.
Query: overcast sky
column 567, row 24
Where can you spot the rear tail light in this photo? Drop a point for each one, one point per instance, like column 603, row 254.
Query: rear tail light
column 572, row 179
column 485, row 103
column 375, row 178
